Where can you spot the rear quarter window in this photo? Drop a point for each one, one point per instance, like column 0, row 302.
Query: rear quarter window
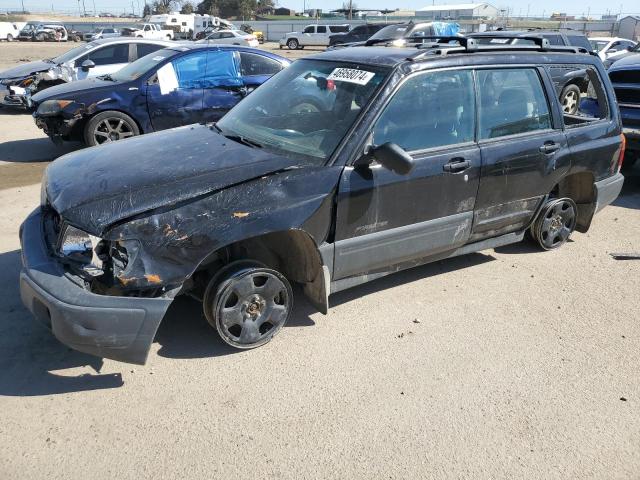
column 579, row 41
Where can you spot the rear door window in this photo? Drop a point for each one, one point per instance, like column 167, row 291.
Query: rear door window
column 222, row 70
column 321, row 29
column 145, row 49
column 254, row 64
column 512, row 101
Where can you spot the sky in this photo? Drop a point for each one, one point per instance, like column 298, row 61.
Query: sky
column 518, row 7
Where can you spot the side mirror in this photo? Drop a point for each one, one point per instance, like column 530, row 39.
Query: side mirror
column 87, row 65
column 392, row 157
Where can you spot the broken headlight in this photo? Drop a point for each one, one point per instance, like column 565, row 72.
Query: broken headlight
column 52, row 107
column 82, row 248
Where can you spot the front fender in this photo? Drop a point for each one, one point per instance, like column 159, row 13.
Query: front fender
column 173, row 242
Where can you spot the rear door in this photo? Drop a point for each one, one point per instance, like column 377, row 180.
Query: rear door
column 384, row 218
column 523, row 153
column 175, row 92
column 256, row 69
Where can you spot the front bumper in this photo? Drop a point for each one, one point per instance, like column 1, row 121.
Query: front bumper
column 120, row 328
column 607, row 190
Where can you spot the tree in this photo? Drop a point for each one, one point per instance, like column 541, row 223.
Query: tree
column 187, row 8
column 147, row 10
column 164, row 6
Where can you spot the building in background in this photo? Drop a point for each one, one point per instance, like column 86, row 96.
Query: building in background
column 462, row 11
column 629, row 27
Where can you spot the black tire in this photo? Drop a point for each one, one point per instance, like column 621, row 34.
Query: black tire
column 39, row 38
column 570, row 99
column 293, row 44
column 247, row 303
column 555, row 223
column 109, row 126
column 9, row 37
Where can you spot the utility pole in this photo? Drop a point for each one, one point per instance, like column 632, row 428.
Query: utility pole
column 23, row 10
column 84, row 7
column 94, row 7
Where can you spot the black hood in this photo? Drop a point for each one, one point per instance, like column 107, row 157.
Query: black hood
column 98, row 186
column 71, row 88
column 27, row 69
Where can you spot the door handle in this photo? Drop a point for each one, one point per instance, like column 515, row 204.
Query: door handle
column 456, row 165
column 550, row 147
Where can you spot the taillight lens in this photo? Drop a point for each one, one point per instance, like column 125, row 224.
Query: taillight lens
column 623, row 147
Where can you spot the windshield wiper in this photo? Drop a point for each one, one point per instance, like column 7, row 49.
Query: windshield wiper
column 237, row 138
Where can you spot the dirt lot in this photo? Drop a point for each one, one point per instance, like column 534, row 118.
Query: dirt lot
column 523, row 365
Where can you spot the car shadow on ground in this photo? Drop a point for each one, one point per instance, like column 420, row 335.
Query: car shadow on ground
column 30, row 354
column 32, row 150
column 630, row 195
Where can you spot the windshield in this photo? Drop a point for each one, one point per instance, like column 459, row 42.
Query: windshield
column 598, row 45
column 392, row 31
column 29, row 27
column 322, row 102
column 74, row 53
column 142, row 65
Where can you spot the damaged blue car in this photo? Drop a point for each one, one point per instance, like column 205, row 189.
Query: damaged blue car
column 169, row 88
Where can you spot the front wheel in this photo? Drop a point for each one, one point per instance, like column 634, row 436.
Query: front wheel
column 109, row 127
column 570, row 98
column 555, row 223
column 248, row 304
column 9, row 38
column 293, row 44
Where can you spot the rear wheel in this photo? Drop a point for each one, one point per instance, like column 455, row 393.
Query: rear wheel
column 555, row 223
column 570, row 98
column 109, row 127
column 9, row 37
column 293, row 44
column 248, row 304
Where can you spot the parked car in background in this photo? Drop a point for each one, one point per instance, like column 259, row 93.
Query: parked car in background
column 625, row 77
column 148, row 31
column 419, row 157
column 43, row 32
column 614, row 57
column 607, row 46
column 312, row 35
column 570, row 83
column 9, row 31
column 99, row 57
column 401, row 34
column 101, row 33
column 179, row 85
column 232, row 37
column 359, row 33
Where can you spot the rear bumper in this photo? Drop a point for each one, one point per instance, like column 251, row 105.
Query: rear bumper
column 120, row 328
column 607, row 190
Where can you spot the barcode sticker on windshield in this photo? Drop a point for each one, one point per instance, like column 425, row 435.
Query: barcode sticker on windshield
column 351, row 75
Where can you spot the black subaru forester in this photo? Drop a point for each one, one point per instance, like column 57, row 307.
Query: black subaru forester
column 346, row 166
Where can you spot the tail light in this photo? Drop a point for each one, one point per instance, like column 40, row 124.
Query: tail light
column 623, row 147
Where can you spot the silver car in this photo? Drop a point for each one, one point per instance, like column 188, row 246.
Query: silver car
column 232, row 37
column 99, row 57
column 101, row 33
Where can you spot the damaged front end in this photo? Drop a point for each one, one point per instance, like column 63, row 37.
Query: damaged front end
column 19, row 90
column 58, row 118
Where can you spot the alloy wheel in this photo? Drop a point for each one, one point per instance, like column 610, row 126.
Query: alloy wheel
column 111, row 130
column 556, row 223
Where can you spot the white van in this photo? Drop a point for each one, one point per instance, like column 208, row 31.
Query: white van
column 9, row 31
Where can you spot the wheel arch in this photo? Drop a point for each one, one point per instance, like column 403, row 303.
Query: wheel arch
column 292, row 252
column 87, row 118
column 579, row 187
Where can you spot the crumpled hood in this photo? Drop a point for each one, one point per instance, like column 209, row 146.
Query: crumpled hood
column 63, row 90
column 26, row 69
column 96, row 187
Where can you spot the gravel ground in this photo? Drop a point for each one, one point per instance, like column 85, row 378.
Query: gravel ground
column 510, row 363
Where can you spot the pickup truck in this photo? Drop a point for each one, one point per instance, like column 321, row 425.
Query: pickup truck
column 312, row 35
column 149, row 31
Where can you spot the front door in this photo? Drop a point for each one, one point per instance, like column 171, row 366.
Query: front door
column 107, row 59
column 384, row 218
column 175, row 92
column 523, row 155
column 223, row 87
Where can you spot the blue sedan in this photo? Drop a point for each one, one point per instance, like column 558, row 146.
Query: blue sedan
column 180, row 85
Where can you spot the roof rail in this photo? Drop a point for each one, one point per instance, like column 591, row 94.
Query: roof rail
column 437, row 49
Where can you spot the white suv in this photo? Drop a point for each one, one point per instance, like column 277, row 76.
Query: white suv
column 312, row 35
